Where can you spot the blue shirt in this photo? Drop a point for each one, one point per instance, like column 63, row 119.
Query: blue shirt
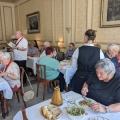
column 114, row 60
column 31, row 51
column 69, row 53
column 51, row 67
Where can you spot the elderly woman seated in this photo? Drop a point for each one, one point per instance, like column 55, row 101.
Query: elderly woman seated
column 112, row 52
column 11, row 72
column 46, row 44
column 52, row 67
column 1, row 65
column 104, row 87
column 32, row 50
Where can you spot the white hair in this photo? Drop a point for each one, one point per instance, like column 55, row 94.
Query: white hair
column 5, row 55
column 112, row 46
column 47, row 44
column 106, row 65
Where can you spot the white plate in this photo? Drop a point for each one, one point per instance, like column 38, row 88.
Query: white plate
column 80, row 99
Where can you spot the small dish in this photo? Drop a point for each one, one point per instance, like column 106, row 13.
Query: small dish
column 54, row 110
column 85, row 105
column 75, row 112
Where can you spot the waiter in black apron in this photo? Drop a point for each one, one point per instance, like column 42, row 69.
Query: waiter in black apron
column 84, row 59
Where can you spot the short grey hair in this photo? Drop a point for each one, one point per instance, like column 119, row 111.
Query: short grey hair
column 47, row 44
column 112, row 46
column 106, row 65
column 5, row 55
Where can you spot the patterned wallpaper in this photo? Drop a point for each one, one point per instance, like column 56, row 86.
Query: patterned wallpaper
column 0, row 27
column 81, row 19
column 8, row 22
column 45, row 8
column 104, row 35
column 59, row 19
column 16, row 18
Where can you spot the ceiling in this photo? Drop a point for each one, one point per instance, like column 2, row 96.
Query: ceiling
column 9, row 1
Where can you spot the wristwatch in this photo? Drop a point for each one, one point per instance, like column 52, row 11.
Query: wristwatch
column 107, row 109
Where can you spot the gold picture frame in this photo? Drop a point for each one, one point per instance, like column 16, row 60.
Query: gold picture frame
column 110, row 13
column 33, row 22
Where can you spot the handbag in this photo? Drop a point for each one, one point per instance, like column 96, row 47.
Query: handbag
column 29, row 94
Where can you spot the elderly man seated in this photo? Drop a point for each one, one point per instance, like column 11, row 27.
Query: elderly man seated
column 11, row 72
column 112, row 52
column 104, row 87
column 46, row 44
column 70, row 51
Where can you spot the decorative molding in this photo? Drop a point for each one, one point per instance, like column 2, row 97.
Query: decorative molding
column 6, row 22
column 1, row 25
column 20, row 2
column 68, row 29
column 56, row 29
column 89, row 14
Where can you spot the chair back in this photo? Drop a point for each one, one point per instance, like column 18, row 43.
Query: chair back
column 39, row 70
column 21, row 74
column 60, row 56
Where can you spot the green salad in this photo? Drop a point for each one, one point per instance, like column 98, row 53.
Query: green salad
column 75, row 111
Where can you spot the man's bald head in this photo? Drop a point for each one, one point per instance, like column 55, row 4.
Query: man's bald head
column 18, row 34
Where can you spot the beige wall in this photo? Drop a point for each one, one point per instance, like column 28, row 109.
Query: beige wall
column 57, row 15
column 7, row 22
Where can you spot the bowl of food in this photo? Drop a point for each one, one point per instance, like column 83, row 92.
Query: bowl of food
column 83, row 103
column 75, row 112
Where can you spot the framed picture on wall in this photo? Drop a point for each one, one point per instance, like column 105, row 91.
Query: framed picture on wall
column 110, row 13
column 33, row 22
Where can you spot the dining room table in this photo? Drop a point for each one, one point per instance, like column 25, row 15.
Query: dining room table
column 5, row 95
column 31, row 63
column 5, row 87
column 33, row 112
column 68, row 71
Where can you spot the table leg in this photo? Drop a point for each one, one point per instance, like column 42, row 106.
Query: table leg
column 2, row 105
column 66, row 88
column 6, row 103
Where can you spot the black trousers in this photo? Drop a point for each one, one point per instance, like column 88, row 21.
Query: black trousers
column 78, row 80
column 22, row 63
column 61, row 81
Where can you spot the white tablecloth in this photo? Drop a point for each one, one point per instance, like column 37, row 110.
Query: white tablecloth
column 68, row 72
column 31, row 63
column 33, row 113
column 7, row 91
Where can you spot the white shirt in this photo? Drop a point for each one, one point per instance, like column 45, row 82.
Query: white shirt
column 44, row 54
column 13, row 69
column 18, row 54
column 76, row 53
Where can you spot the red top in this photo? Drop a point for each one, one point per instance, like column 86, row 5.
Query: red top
column 19, row 41
column 6, row 67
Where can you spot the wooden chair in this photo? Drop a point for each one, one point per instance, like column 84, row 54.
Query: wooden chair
column 45, row 82
column 20, row 89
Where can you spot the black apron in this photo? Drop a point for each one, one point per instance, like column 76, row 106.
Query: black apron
column 87, row 58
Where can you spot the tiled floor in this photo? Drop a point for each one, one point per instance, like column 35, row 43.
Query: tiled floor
column 15, row 106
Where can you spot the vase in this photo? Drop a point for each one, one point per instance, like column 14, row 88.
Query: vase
column 57, row 97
